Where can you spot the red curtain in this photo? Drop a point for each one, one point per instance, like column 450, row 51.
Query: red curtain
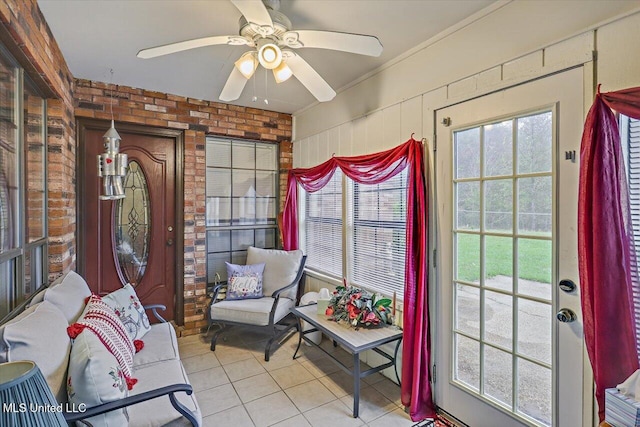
column 374, row 169
column 605, row 244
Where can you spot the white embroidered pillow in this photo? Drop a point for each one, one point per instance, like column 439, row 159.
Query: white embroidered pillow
column 94, row 377
column 126, row 305
column 103, row 322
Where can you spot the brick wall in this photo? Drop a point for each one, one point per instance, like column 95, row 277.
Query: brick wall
column 197, row 118
column 27, row 36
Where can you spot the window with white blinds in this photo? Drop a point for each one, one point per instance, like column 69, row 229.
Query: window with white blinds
column 378, row 235
column 630, row 138
column 323, row 228
column 374, row 222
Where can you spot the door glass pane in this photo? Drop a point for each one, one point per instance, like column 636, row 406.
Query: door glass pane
column 467, row 153
column 534, row 391
column 133, row 225
column 468, row 257
column 534, row 330
column 534, row 268
column 498, row 262
column 535, row 143
column 468, row 310
column 498, row 319
column 498, row 374
column 498, row 200
column 498, row 151
column 534, row 205
column 467, row 363
column 468, row 205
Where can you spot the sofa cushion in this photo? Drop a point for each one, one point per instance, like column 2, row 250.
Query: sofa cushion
column 103, row 322
column 160, row 344
column 250, row 311
column 68, row 294
column 280, row 270
column 127, row 306
column 39, row 334
column 244, row 281
column 159, row 411
column 95, row 378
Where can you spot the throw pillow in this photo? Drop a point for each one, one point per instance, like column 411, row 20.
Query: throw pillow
column 244, row 281
column 103, row 322
column 126, row 305
column 95, row 377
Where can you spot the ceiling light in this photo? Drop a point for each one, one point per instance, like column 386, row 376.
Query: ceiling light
column 270, row 56
column 282, row 72
column 247, row 64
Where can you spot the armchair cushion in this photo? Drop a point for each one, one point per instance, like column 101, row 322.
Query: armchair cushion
column 160, row 344
column 250, row 311
column 244, row 281
column 280, row 270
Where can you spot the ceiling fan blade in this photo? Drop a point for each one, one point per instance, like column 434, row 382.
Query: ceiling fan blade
column 309, row 78
column 346, row 42
column 254, row 11
column 167, row 49
column 234, row 86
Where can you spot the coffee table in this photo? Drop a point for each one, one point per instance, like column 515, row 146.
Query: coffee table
column 355, row 341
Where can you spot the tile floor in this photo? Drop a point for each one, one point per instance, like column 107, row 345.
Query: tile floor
column 235, row 387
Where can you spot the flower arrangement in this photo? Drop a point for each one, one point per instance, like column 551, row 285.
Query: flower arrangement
column 358, row 307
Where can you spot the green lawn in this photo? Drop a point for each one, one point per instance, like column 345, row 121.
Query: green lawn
column 534, row 258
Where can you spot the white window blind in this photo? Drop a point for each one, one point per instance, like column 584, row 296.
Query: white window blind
column 630, row 137
column 323, row 228
column 378, row 235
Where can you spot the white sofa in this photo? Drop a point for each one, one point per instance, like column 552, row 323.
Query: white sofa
column 162, row 396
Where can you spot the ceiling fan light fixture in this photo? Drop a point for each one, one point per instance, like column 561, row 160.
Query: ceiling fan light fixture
column 270, row 56
column 282, row 72
column 247, row 64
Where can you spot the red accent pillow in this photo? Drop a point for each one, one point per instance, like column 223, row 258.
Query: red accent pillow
column 100, row 319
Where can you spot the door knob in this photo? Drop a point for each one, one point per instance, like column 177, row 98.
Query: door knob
column 170, row 242
column 566, row 315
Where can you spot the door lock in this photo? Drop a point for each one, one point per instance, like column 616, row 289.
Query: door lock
column 567, row 285
column 169, row 242
column 170, row 228
column 566, row 315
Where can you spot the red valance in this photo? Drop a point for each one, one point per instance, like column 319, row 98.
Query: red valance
column 374, row 169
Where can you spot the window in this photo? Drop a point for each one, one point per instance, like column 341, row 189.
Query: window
column 373, row 219
column 323, row 228
column 630, row 138
column 379, row 235
column 23, row 201
column 241, row 188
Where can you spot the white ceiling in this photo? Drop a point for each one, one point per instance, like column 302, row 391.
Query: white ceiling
column 99, row 35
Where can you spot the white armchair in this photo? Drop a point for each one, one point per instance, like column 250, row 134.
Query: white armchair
column 282, row 286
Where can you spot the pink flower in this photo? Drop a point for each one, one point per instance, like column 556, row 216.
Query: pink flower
column 329, row 311
column 371, row 318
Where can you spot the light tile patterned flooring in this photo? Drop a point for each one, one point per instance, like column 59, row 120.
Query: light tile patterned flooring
column 235, row 387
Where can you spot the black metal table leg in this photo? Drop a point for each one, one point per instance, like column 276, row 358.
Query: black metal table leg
column 356, row 384
column 300, row 333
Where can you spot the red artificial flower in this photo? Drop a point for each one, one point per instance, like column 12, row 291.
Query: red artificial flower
column 353, row 311
column 329, row 311
column 371, row 318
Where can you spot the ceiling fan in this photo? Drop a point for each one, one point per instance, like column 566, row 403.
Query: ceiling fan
column 269, row 32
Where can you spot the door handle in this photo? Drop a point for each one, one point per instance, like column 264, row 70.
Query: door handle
column 170, row 242
column 566, row 315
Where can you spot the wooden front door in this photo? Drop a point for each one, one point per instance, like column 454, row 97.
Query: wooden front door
column 137, row 239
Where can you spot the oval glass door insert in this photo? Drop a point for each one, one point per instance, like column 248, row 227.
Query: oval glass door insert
column 133, row 226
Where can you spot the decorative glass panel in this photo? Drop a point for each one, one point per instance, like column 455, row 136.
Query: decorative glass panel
column 133, row 225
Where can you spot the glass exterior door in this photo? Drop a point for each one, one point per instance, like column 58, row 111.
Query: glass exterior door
column 502, row 357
